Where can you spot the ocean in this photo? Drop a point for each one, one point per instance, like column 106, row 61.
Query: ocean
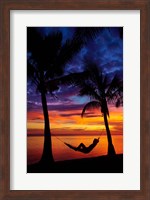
column 62, row 152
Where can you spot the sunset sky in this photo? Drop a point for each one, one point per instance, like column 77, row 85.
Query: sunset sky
column 65, row 110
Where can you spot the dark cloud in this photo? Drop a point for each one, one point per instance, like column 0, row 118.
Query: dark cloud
column 106, row 50
column 31, row 106
column 91, row 116
column 61, row 107
column 71, row 114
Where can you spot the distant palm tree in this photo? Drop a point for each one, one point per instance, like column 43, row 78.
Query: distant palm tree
column 102, row 89
column 48, row 56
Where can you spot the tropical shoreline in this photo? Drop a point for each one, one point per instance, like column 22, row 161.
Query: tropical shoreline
column 100, row 164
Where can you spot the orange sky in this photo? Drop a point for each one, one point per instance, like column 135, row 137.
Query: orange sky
column 68, row 122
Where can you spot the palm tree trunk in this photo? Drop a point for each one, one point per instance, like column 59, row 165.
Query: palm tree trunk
column 111, row 149
column 47, row 156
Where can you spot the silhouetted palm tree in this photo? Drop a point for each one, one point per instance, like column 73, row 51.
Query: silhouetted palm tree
column 102, row 89
column 47, row 61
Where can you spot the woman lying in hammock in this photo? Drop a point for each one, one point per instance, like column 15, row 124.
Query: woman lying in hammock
column 82, row 148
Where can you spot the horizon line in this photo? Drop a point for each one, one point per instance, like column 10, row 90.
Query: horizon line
column 88, row 134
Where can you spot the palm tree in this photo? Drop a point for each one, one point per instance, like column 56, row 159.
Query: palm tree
column 102, row 89
column 47, row 60
column 46, row 63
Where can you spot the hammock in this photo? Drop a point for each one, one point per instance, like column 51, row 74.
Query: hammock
column 82, row 148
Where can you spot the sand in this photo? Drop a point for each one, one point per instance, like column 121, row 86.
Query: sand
column 101, row 164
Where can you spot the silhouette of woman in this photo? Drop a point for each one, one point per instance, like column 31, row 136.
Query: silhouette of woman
column 82, row 148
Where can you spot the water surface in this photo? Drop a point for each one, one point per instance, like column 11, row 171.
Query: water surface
column 62, row 152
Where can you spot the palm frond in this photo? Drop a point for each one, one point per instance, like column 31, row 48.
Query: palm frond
column 52, row 86
column 90, row 105
column 70, row 79
column 114, row 84
column 50, row 50
column 30, row 70
column 89, row 90
column 95, row 76
column 46, row 53
column 87, row 33
column 119, row 102
column 105, row 82
column 34, row 39
column 32, row 73
column 114, row 92
column 68, row 51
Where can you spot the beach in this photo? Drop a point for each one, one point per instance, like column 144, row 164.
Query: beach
column 100, row 164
